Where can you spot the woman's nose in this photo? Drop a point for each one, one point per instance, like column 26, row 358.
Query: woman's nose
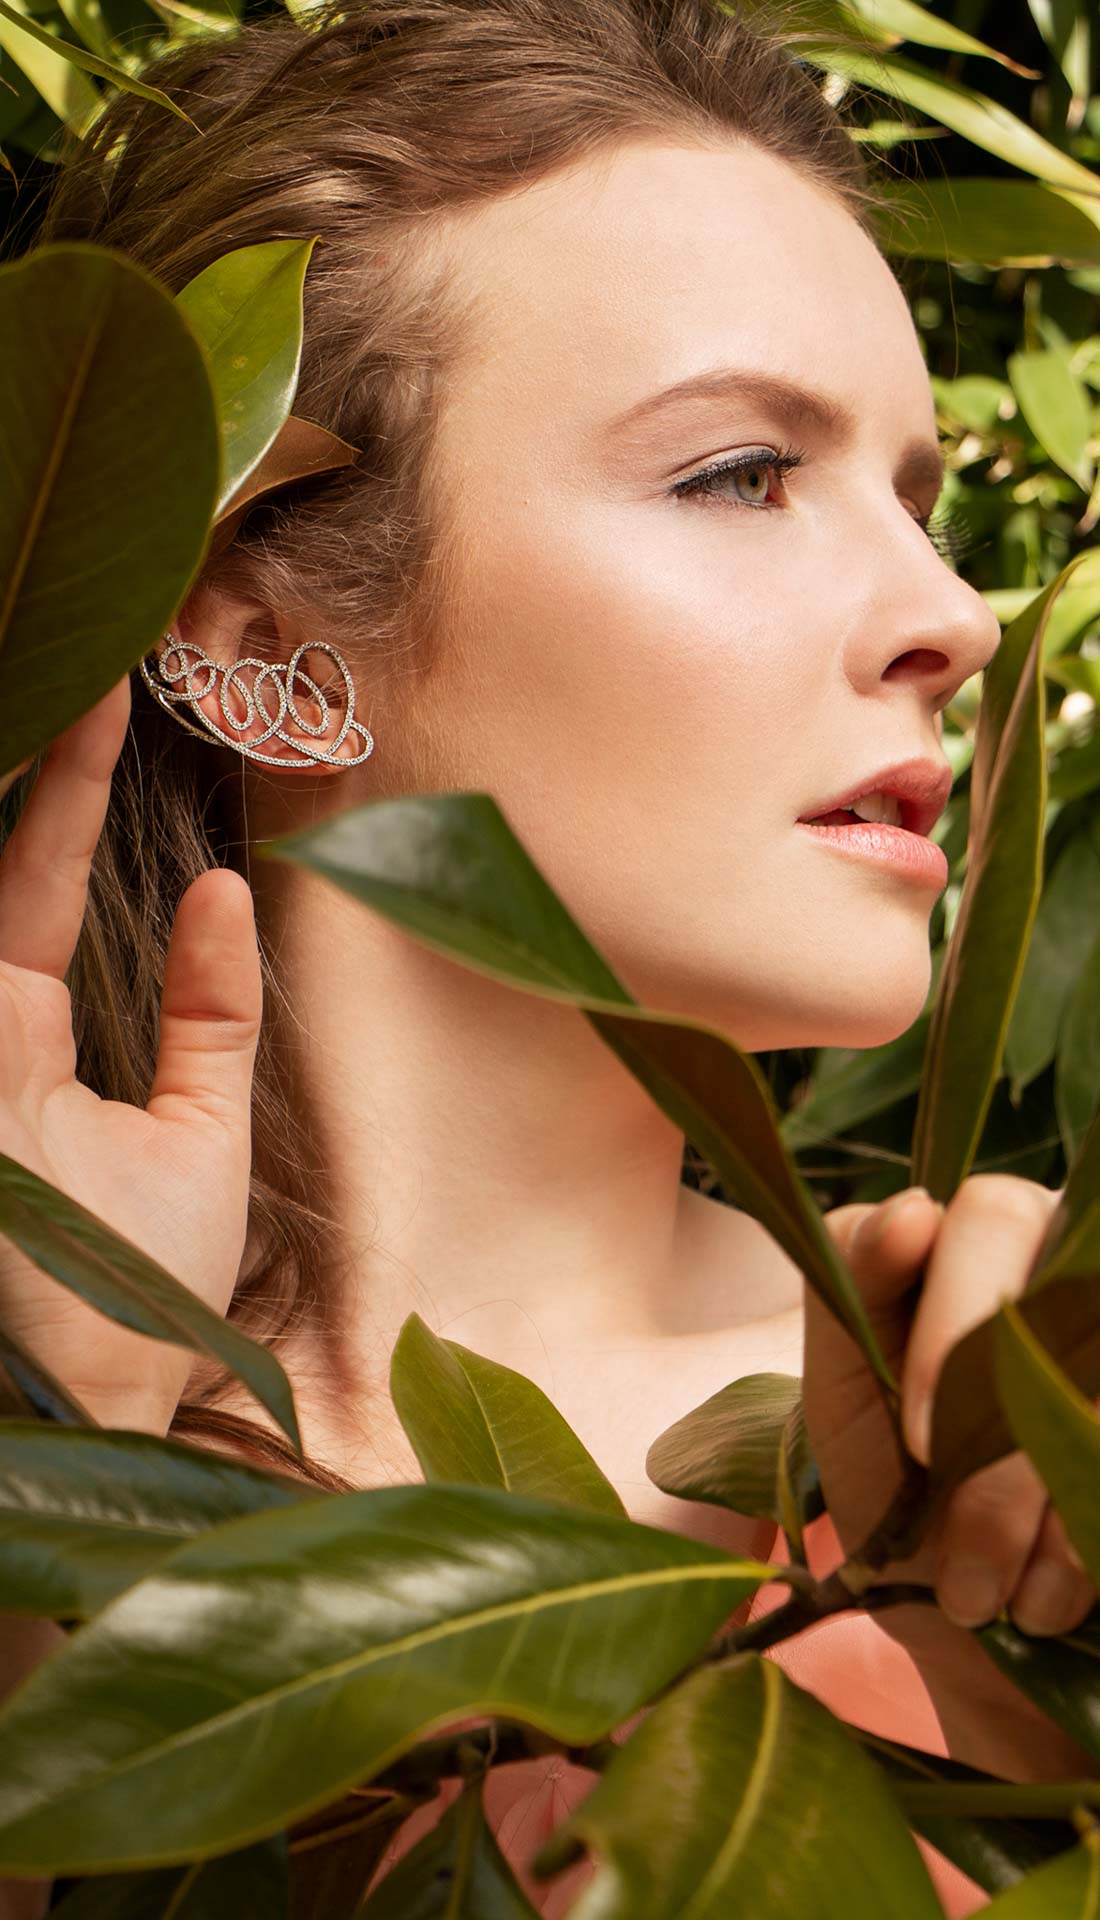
column 942, row 631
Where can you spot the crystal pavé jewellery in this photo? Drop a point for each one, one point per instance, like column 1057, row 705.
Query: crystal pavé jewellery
column 183, row 661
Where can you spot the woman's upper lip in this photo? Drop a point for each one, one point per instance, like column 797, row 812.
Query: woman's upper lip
column 922, row 785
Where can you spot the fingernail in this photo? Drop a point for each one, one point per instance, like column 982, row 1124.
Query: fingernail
column 969, row 1590
column 921, row 1429
column 1049, row 1599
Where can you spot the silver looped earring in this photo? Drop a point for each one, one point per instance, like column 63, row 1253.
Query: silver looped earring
column 183, row 661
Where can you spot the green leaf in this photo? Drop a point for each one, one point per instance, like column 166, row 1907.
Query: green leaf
column 798, row 1483
column 741, row 1793
column 252, row 1882
column 115, row 1277
column 1060, row 1673
column 104, row 396
column 85, row 1514
column 1065, row 26
column 988, row 947
column 995, row 1851
column 335, row 1854
column 75, row 102
column 271, row 1662
column 904, row 20
column 1065, row 1889
column 1055, row 1426
column 994, row 221
column 1055, row 403
column 40, row 1389
column 470, row 1419
column 728, row 1450
column 246, row 308
column 851, row 1085
column 1077, row 1073
column 1062, row 937
column 447, row 868
column 978, row 118
column 456, row 1872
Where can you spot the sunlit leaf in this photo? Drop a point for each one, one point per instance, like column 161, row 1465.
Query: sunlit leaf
column 741, row 1793
column 1055, row 403
column 275, row 1660
column 1077, row 1073
column 997, row 222
column 114, row 1276
column 473, row 1420
column 71, row 98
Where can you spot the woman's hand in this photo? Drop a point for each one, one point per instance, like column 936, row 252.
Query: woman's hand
column 172, row 1177
column 927, row 1276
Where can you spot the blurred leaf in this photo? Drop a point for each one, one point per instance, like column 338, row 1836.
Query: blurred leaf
column 728, row 1450
column 974, row 401
column 473, row 1420
column 999, row 222
column 447, row 868
column 988, row 947
column 85, row 1514
column 798, row 1483
column 978, row 118
column 251, row 1882
column 273, row 1661
column 1077, row 1074
column 74, row 102
column 1065, row 1889
column 1061, row 1673
column 335, row 1854
column 994, row 1851
column 742, row 1794
column 456, row 1872
column 1055, row 404
column 851, row 1086
column 1055, row 1426
column 1065, row 26
column 104, row 396
column 114, row 1276
column 904, row 20
column 1063, row 934
column 41, row 1389
column 246, row 308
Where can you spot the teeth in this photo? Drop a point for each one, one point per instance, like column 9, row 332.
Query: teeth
column 883, row 807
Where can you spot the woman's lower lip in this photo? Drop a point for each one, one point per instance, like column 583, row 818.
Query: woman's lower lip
column 912, row 854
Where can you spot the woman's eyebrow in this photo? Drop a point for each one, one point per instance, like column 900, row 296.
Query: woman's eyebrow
column 794, row 406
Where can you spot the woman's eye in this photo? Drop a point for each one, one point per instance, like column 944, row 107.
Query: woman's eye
column 743, row 479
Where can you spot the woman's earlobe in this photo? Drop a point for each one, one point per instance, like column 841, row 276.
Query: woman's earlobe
column 277, row 715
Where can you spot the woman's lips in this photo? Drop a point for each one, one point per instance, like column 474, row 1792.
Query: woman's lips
column 910, row 854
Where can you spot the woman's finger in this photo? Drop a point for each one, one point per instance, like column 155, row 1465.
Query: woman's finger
column 986, row 1538
column 1054, row 1593
column 990, row 1234
column 46, row 860
column 210, row 1007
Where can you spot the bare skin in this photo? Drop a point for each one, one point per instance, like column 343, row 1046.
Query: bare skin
column 653, row 688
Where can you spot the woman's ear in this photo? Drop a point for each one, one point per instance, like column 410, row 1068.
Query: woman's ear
column 233, row 653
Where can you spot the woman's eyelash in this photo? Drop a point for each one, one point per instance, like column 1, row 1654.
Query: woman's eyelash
column 946, row 527
column 709, row 479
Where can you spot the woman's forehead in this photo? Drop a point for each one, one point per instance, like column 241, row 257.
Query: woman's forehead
column 612, row 279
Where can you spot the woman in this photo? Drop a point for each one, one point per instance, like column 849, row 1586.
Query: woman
column 638, row 542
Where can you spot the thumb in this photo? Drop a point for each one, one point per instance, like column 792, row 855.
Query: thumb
column 211, row 1005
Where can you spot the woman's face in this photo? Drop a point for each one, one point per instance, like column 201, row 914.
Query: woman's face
column 654, row 683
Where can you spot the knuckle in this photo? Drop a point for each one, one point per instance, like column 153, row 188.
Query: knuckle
column 1007, row 1193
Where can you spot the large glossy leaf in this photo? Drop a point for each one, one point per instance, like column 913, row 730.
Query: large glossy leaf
column 998, row 222
column 448, row 869
column 71, row 101
column 470, row 1419
column 728, row 1450
column 988, row 947
column 271, row 1662
column 742, row 1794
column 995, row 1851
column 985, row 122
column 1062, row 937
column 1077, row 1073
column 1061, row 1674
column 253, row 1881
column 456, row 1872
column 1065, row 1889
column 104, row 396
column 1055, row 1425
column 85, row 1514
column 246, row 308
column 115, row 1277
column 1055, row 403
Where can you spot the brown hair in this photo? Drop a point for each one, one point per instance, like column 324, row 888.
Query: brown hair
column 366, row 124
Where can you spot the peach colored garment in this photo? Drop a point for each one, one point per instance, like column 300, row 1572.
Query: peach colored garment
column 848, row 1663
